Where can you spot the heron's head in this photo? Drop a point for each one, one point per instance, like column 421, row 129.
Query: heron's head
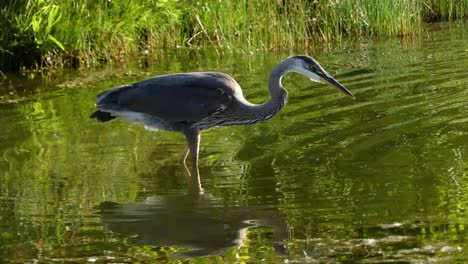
column 309, row 67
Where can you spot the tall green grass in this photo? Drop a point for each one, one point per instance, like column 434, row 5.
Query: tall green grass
column 435, row 10
column 302, row 23
column 85, row 32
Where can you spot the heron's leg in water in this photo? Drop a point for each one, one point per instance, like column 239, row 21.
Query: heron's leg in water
column 193, row 144
column 184, row 155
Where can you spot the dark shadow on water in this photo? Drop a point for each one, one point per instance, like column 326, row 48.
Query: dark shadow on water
column 197, row 221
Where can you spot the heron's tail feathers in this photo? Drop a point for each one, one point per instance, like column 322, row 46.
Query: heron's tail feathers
column 108, row 100
column 102, row 116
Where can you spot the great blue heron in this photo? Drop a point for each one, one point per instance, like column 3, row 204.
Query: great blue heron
column 192, row 102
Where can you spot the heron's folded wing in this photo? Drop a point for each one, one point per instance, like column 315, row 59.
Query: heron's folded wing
column 186, row 99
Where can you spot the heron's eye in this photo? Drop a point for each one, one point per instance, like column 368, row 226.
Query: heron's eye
column 316, row 69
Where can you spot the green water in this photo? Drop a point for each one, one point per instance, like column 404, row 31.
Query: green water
column 383, row 178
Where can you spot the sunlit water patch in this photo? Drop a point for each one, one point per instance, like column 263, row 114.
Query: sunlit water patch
column 379, row 179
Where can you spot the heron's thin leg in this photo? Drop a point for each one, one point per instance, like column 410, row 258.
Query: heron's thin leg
column 184, row 154
column 194, row 182
column 183, row 159
column 193, row 143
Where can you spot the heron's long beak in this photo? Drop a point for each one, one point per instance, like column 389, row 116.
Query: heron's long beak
column 327, row 79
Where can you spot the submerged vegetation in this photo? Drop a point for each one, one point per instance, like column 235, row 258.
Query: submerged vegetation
column 57, row 32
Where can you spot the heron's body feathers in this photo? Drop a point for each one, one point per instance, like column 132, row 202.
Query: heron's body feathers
column 180, row 97
column 170, row 101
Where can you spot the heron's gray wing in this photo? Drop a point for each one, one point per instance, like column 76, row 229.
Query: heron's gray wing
column 180, row 97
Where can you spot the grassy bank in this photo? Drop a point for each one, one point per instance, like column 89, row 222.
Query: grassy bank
column 73, row 33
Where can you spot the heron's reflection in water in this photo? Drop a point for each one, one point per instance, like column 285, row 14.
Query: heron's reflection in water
column 197, row 221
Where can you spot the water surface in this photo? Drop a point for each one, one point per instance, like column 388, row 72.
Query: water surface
column 379, row 179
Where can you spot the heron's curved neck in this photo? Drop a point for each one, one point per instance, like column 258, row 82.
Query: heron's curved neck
column 278, row 94
column 249, row 113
